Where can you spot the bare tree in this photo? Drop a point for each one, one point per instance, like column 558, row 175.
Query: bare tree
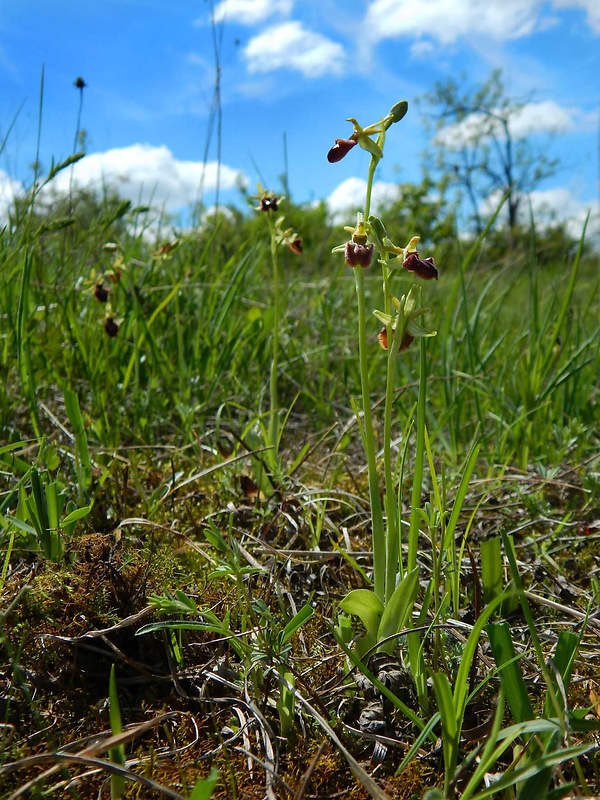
column 478, row 141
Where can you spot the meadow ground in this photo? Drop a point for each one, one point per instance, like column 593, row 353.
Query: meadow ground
column 162, row 515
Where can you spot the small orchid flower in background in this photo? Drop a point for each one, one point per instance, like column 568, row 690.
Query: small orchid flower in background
column 295, row 245
column 268, row 205
column 100, row 292
column 288, row 237
column 165, row 250
column 267, row 201
column 111, row 326
column 118, row 265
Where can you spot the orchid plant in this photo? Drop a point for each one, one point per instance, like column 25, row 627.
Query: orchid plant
column 385, row 609
column 269, row 206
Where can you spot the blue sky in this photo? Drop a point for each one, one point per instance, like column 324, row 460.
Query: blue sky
column 293, row 69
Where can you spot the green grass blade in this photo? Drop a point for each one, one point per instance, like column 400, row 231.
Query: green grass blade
column 204, row 787
column 117, row 753
column 76, row 514
column 536, row 786
column 461, row 493
column 448, row 545
column 547, row 761
column 451, row 720
column 53, row 506
column 537, row 646
column 38, row 510
column 297, row 621
column 24, row 348
column 492, row 568
column 510, row 673
column 83, row 463
column 140, row 340
column 426, row 733
column 461, row 687
column 490, row 753
column 566, row 303
column 563, row 659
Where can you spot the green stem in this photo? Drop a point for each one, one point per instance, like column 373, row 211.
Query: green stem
column 391, row 533
column 378, row 531
column 24, row 348
column 413, row 536
column 273, row 382
column 371, row 175
column 377, row 527
column 392, row 536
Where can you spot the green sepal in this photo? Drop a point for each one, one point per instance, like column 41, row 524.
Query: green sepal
column 416, row 330
column 371, row 147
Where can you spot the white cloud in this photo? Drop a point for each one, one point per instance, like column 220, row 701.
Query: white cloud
column 543, row 117
column 9, row 190
column 550, row 206
column 146, row 174
column 448, row 20
column 533, row 119
column 291, row 46
column 349, row 197
column 591, row 7
column 251, row 12
column 422, row 48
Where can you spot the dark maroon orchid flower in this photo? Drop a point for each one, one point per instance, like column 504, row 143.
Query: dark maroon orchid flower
column 111, row 327
column 423, row 267
column 101, row 293
column 358, row 255
column 340, row 149
column 269, row 202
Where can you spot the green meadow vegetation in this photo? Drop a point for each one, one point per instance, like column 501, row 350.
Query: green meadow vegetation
column 258, row 541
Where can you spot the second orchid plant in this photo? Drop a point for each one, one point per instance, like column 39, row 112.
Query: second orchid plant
column 385, row 609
